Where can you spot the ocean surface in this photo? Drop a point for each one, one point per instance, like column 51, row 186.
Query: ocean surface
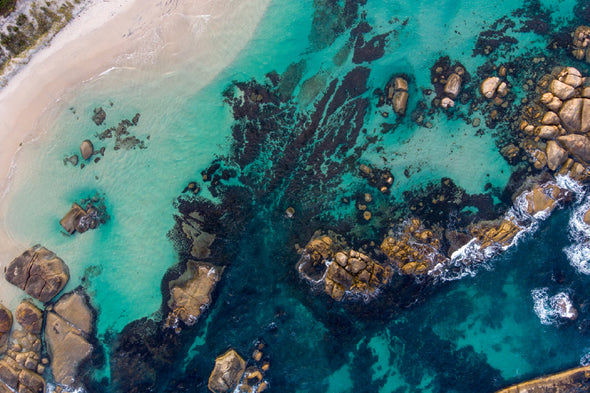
column 483, row 329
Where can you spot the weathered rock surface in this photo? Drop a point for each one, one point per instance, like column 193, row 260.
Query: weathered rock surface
column 575, row 115
column 453, row 85
column 354, row 272
column 495, row 234
column 543, row 197
column 488, row 86
column 562, row 90
column 399, row 101
column 578, row 145
column 39, row 272
column 191, row 293
column 556, row 155
column 415, row 251
column 66, row 336
column 30, row 317
column 5, row 325
column 227, row 372
column 350, row 272
column 86, row 149
column 80, row 220
column 575, row 380
column 581, row 43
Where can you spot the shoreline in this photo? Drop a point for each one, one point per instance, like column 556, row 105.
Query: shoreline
column 112, row 42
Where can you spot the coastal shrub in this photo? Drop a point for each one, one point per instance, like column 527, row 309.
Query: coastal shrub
column 6, row 6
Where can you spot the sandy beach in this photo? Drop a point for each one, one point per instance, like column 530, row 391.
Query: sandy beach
column 114, row 41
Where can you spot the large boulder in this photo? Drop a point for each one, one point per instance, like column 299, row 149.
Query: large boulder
column 191, row 293
column 78, row 219
column 562, row 90
column 67, row 327
column 488, row 86
column 227, row 372
column 578, row 145
column 575, row 115
column 453, row 85
column 39, row 272
column 29, row 316
column 556, row 155
column 399, row 100
column 16, row 378
column 86, row 149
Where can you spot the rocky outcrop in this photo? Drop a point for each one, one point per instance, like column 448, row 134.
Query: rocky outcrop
column 354, row 272
column 227, row 372
column 5, row 326
column 453, row 85
column 499, row 233
column 200, row 240
column 493, row 87
column 415, row 250
column 340, row 269
column 581, row 43
column 544, row 197
column 30, row 317
column 80, row 220
column 39, row 272
column 22, row 367
column 191, row 293
column 68, row 324
column 575, row 380
column 564, row 125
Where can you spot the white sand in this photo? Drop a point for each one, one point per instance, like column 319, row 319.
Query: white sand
column 116, row 41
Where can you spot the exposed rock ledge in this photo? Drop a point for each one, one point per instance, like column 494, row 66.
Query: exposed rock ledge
column 570, row 381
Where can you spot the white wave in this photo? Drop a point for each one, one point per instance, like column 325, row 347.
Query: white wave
column 552, row 310
column 578, row 253
column 50, row 388
column 585, row 359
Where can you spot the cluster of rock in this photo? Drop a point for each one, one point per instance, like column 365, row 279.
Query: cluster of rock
column 451, row 82
column 396, row 95
column 581, row 43
column 80, row 220
column 38, row 272
column 562, row 122
column 415, row 251
column 22, row 365
column 571, row 381
column 191, row 293
column 99, row 116
column 493, row 88
column 501, row 233
column 381, row 179
column 232, row 373
column 346, row 271
column 68, row 326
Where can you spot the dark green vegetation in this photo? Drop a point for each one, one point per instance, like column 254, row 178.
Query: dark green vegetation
column 6, row 6
column 28, row 29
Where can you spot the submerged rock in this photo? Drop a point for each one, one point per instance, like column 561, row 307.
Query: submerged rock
column 67, row 325
column 227, row 372
column 39, row 272
column 99, row 116
column 191, row 293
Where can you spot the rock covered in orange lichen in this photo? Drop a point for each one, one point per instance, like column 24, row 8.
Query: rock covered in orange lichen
column 342, row 270
column 415, row 251
column 499, row 233
column 355, row 272
column 543, row 197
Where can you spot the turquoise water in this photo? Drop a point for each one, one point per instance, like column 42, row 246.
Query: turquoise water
column 479, row 333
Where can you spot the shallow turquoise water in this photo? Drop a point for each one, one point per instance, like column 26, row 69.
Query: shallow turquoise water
column 476, row 334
